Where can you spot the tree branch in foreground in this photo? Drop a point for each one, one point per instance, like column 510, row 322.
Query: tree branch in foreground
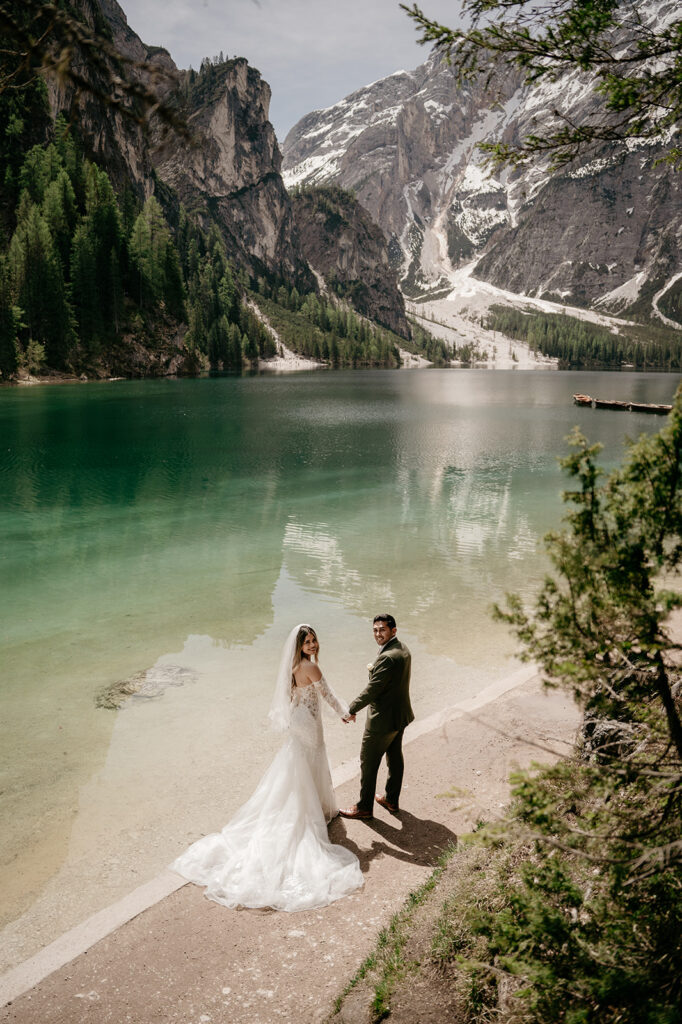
column 631, row 61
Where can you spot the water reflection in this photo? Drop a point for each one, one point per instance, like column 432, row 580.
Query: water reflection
column 136, row 515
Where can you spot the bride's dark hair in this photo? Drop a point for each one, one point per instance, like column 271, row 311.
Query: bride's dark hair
column 303, row 632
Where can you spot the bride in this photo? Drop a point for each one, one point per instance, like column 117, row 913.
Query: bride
column 275, row 852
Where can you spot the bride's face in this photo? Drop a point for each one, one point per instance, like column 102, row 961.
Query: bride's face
column 310, row 646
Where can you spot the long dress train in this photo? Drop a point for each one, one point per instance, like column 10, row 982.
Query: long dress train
column 275, row 852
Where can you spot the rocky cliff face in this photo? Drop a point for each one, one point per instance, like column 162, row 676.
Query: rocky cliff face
column 230, row 175
column 345, row 247
column 606, row 235
column 115, row 141
column 603, row 233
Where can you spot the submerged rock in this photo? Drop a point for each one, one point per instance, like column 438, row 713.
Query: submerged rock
column 144, row 685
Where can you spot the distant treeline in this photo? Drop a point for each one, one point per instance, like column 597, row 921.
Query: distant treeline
column 434, row 349
column 324, row 329
column 580, row 344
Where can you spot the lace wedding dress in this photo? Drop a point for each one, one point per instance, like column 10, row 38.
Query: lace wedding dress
column 275, row 852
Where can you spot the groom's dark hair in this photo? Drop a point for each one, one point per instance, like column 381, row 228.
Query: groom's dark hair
column 388, row 619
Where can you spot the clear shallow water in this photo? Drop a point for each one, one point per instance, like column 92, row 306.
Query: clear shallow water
column 188, row 524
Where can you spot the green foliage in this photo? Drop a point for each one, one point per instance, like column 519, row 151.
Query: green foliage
column 437, row 351
column 9, row 323
column 24, row 120
column 591, row 925
column 34, row 357
column 580, row 344
column 200, row 87
column 338, row 205
column 150, row 242
column 603, row 628
column 67, row 256
column 433, row 349
column 37, row 286
column 635, row 62
column 84, row 267
column 545, row 926
column 221, row 327
column 326, row 330
column 98, row 263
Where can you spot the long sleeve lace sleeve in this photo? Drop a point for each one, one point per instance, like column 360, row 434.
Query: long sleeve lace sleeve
column 325, row 690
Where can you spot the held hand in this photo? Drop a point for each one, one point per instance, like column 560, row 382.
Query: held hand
column 349, row 718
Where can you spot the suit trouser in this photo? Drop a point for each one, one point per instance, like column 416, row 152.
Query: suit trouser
column 374, row 746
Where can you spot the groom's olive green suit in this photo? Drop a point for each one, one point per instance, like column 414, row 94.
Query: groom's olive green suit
column 387, row 695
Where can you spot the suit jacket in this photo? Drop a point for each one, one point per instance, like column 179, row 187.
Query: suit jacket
column 388, row 692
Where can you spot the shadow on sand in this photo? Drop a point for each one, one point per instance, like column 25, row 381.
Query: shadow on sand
column 413, row 840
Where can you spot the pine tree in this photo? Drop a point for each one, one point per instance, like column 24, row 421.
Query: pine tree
column 195, row 338
column 174, row 291
column 129, row 207
column 59, row 211
column 85, row 291
column 8, row 324
column 38, row 284
column 95, row 266
column 148, row 245
column 234, row 346
column 229, row 297
column 24, row 118
column 41, row 166
column 250, row 348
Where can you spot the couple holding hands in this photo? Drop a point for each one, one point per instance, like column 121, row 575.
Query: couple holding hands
column 275, row 852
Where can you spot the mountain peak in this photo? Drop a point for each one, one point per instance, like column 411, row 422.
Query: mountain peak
column 407, row 145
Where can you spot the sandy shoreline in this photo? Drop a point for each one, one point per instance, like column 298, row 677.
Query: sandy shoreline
column 465, row 751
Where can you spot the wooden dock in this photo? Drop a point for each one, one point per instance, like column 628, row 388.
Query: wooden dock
column 607, row 403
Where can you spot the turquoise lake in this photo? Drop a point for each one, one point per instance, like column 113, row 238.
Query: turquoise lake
column 179, row 528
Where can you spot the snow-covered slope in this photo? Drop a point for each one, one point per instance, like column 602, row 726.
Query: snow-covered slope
column 605, row 233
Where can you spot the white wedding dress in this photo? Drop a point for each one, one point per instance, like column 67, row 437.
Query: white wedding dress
column 275, row 852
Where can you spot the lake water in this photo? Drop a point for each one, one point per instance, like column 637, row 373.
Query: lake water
column 184, row 526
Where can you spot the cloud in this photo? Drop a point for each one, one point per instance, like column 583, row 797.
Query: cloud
column 311, row 52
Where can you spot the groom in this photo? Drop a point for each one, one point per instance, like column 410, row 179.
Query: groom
column 388, row 696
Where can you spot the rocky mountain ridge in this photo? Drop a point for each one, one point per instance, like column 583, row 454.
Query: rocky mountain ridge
column 228, row 176
column 605, row 233
column 231, row 174
column 348, row 251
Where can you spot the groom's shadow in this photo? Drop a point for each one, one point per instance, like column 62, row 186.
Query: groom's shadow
column 411, row 839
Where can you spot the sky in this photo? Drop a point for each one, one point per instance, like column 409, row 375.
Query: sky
column 312, row 53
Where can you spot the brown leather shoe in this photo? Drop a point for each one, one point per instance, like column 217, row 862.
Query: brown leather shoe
column 393, row 808
column 355, row 812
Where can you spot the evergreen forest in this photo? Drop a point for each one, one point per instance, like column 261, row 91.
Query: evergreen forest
column 96, row 282
column 322, row 328
column 582, row 345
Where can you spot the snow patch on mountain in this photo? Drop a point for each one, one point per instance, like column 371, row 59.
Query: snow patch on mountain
column 625, row 294
column 659, row 295
column 476, row 296
column 408, row 147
